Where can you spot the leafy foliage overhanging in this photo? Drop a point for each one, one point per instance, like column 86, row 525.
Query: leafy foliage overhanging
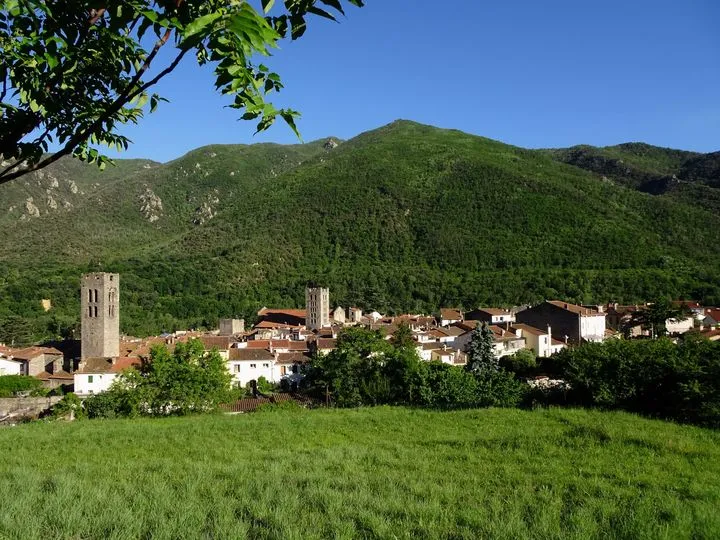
column 73, row 72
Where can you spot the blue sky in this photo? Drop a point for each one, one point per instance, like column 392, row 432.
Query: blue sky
column 532, row 73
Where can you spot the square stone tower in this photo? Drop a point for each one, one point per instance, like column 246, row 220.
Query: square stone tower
column 317, row 307
column 100, row 315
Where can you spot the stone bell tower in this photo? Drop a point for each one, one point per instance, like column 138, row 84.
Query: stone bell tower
column 100, row 315
column 317, row 307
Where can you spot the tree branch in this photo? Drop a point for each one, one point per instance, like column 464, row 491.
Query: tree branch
column 121, row 100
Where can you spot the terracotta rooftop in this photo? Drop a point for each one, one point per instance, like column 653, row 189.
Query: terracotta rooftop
column 579, row 310
column 107, row 365
column 451, row 314
column 221, row 343
column 293, row 358
column 529, row 329
column 32, row 352
column 494, row 311
column 326, row 343
column 62, row 374
column 248, row 355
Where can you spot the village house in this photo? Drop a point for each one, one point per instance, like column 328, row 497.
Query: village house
column 247, row 365
column 490, row 315
column 448, row 355
column 570, row 323
column 711, row 317
column 693, row 308
column 539, row 341
column 450, row 316
column 8, row 366
column 95, row 375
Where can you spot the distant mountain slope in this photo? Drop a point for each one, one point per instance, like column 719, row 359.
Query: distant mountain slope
column 681, row 175
column 405, row 217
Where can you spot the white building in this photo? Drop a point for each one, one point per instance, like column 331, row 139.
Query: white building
column 95, row 375
column 680, row 326
column 541, row 342
column 247, row 365
column 8, row 366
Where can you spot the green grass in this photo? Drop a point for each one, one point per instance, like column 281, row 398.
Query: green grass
column 374, row 473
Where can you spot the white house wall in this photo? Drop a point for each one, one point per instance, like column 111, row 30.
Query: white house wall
column 592, row 328
column 92, row 383
column 10, row 367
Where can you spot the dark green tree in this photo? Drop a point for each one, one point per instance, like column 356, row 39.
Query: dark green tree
column 655, row 316
column 403, row 337
column 481, row 351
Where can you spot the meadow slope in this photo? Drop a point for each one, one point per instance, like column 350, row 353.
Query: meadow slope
column 373, row 473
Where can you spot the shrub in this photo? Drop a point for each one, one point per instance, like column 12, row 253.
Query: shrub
column 523, row 363
column 69, row 406
column 12, row 385
column 653, row 377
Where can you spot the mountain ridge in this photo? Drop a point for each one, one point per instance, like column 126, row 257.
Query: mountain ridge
column 404, row 217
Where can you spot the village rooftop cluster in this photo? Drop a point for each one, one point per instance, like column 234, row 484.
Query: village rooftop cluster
column 284, row 340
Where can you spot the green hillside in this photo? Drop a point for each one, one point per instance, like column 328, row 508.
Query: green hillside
column 405, row 217
column 683, row 176
column 372, row 473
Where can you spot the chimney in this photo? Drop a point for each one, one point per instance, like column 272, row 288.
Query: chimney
column 566, row 339
column 271, row 347
column 549, row 331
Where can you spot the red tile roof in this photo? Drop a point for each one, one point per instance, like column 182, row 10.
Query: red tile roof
column 579, row 310
column 529, row 329
column 299, row 313
column 450, row 314
column 293, row 358
column 326, row 343
column 33, row 352
column 249, row 355
column 221, row 343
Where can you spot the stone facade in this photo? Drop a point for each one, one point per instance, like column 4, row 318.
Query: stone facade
column 100, row 315
column 317, row 307
column 230, row 327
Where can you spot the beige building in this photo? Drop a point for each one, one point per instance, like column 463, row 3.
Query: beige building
column 540, row 341
column 230, row 327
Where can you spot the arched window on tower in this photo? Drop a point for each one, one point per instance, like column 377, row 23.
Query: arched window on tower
column 96, row 295
column 89, row 311
column 89, row 295
column 94, row 311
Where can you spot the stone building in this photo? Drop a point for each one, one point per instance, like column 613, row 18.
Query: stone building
column 569, row 323
column 317, row 307
column 230, row 327
column 100, row 315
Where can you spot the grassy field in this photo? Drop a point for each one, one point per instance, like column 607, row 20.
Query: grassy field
column 374, row 473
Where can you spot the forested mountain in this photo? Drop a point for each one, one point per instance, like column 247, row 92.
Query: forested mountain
column 405, row 217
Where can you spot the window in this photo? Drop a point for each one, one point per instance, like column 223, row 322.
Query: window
column 253, row 365
column 266, row 365
column 89, row 311
column 283, row 370
column 89, row 295
column 96, row 295
column 237, row 368
column 90, row 379
column 94, row 311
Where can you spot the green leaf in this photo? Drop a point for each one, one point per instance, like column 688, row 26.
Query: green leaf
column 199, row 24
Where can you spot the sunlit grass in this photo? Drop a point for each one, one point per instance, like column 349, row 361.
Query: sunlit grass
column 374, row 473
